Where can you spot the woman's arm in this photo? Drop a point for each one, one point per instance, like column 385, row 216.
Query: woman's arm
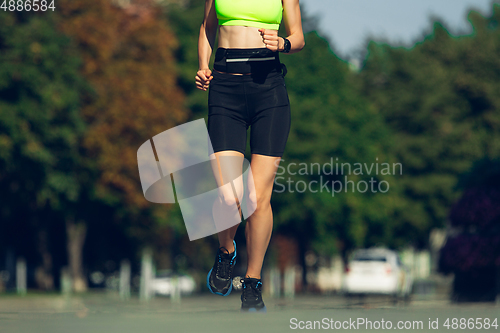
column 208, row 32
column 293, row 25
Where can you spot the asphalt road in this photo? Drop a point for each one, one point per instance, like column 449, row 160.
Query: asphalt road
column 210, row 313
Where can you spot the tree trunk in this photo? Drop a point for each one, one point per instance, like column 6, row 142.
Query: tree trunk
column 76, row 233
column 43, row 274
column 302, row 248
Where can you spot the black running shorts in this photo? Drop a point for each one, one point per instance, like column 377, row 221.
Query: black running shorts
column 258, row 100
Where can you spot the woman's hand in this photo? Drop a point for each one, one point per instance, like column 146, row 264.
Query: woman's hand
column 203, row 78
column 271, row 39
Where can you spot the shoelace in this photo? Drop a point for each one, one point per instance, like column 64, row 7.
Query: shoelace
column 252, row 292
column 225, row 265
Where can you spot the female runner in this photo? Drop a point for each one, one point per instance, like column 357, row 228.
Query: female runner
column 247, row 89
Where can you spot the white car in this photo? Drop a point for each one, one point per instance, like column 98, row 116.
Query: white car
column 166, row 285
column 377, row 271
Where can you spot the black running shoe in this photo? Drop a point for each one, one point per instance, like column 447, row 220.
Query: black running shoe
column 220, row 277
column 251, row 298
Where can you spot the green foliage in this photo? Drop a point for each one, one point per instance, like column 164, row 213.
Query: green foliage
column 441, row 100
column 40, row 125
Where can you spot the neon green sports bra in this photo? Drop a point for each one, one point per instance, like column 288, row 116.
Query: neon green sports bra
column 265, row 14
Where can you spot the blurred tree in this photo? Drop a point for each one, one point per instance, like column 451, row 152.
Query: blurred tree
column 476, row 217
column 127, row 57
column 40, row 131
column 440, row 100
column 472, row 250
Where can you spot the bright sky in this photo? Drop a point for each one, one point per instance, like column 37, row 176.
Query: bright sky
column 347, row 23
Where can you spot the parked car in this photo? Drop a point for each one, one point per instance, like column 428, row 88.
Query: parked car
column 165, row 284
column 377, row 271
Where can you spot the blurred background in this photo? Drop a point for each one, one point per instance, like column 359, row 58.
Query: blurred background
column 84, row 85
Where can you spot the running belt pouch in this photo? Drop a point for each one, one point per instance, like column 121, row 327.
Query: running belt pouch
column 222, row 54
column 283, row 69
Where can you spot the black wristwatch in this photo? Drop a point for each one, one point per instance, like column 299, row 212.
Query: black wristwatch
column 287, row 46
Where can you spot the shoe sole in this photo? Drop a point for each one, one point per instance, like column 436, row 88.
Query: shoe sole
column 261, row 310
column 230, row 286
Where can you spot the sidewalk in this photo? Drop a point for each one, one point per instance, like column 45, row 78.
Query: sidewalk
column 97, row 312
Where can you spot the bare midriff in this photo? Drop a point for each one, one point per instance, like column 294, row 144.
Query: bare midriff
column 240, row 37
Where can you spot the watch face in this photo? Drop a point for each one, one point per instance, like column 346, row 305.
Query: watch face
column 287, row 45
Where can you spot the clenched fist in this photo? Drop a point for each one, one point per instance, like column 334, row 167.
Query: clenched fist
column 203, row 78
column 271, row 39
